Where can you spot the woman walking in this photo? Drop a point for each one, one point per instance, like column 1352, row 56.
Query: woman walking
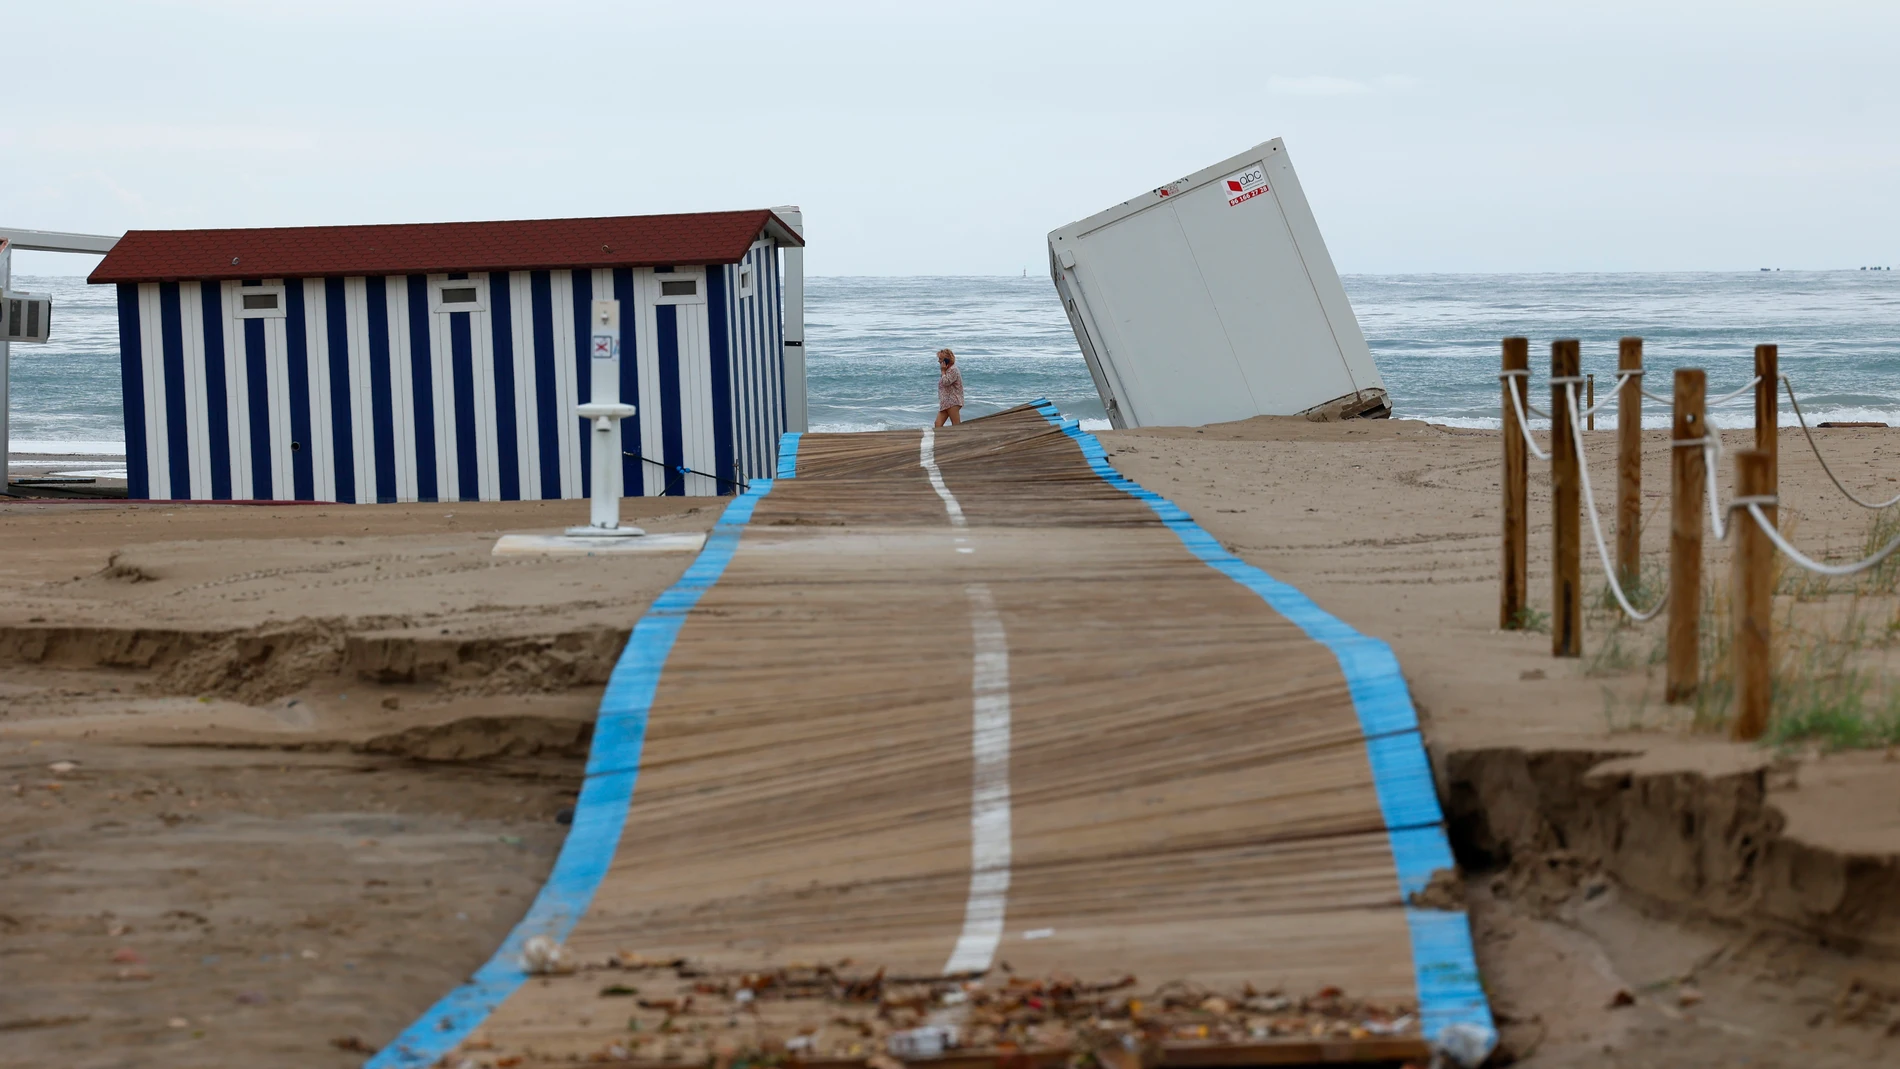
column 949, row 389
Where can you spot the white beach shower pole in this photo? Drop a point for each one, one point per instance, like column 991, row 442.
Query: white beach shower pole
column 604, row 410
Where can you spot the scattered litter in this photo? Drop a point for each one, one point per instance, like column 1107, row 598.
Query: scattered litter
column 565, row 816
column 352, row 1044
column 178, row 1022
column 1039, row 933
column 127, row 956
column 252, row 998
column 1688, row 996
column 392, row 702
column 541, row 956
column 133, row 974
column 1466, row 1045
column 1621, row 999
column 688, row 1014
column 307, row 954
column 62, row 767
column 927, row 1042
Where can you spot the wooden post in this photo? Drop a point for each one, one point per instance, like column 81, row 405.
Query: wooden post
column 1566, row 558
column 1751, row 575
column 1685, row 535
column 1629, row 464
column 1767, row 419
column 1589, row 402
column 1514, row 585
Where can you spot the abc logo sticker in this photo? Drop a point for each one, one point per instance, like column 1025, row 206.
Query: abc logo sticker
column 1246, row 185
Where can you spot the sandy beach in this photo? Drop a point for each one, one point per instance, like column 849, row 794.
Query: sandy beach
column 279, row 776
column 318, row 757
column 1635, row 850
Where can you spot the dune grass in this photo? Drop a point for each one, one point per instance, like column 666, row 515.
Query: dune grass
column 1834, row 687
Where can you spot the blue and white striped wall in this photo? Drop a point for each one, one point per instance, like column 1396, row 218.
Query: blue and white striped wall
column 361, row 393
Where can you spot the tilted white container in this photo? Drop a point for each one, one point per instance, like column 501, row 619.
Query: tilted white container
column 1213, row 299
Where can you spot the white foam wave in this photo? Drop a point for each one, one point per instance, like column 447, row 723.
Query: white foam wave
column 61, row 448
column 1725, row 418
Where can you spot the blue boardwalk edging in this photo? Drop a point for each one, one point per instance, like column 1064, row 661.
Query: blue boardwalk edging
column 788, row 455
column 613, row 763
column 1444, row 966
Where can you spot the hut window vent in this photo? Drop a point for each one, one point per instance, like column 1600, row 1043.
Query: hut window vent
column 259, row 302
column 745, row 281
column 684, row 285
column 459, row 294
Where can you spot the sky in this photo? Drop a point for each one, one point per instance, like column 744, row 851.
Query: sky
column 950, row 138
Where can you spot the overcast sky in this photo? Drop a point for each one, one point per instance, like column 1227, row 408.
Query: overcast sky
column 949, row 138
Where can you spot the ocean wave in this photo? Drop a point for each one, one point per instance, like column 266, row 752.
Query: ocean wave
column 59, row 447
column 1724, row 418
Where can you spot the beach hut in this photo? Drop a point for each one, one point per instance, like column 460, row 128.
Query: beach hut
column 437, row 361
column 1212, row 298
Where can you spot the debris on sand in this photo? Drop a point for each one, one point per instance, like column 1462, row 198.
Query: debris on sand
column 1445, row 890
column 542, row 956
column 685, row 1013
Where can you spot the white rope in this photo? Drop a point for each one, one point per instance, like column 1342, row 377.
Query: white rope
column 1518, row 405
column 1753, row 505
column 1621, row 378
column 1729, row 396
column 1733, row 394
column 1803, row 420
column 1596, row 526
column 1523, row 373
column 1712, row 459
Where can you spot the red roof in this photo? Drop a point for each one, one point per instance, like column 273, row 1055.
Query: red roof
column 434, row 248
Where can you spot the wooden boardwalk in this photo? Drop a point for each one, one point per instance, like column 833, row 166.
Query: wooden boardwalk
column 957, row 701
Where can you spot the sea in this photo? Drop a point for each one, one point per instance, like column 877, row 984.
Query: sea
column 870, row 345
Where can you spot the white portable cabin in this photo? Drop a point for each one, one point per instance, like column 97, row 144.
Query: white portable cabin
column 1213, row 299
column 438, row 361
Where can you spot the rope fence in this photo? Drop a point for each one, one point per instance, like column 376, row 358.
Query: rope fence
column 1696, row 444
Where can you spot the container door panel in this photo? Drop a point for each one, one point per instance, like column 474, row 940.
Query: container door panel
column 1275, row 322
column 1166, row 342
